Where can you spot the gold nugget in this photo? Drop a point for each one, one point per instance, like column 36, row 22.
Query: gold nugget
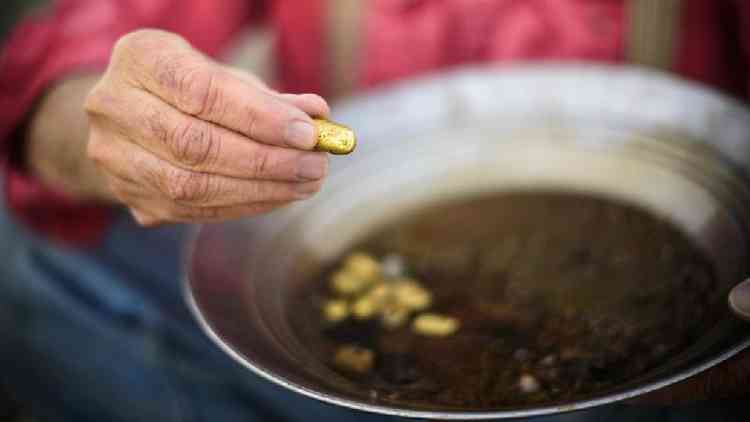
column 362, row 265
column 335, row 310
column 434, row 325
column 344, row 283
column 354, row 359
column 366, row 307
column 411, row 295
column 334, row 138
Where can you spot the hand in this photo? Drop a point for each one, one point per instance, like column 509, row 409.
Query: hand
column 180, row 138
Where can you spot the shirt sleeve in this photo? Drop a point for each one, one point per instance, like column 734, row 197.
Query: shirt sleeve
column 744, row 16
column 77, row 36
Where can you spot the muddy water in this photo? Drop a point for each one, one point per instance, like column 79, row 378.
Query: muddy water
column 558, row 296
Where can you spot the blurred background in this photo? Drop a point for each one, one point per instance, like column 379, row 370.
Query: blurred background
column 13, row 9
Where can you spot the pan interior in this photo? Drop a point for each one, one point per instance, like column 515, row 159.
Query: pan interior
column 683, row 184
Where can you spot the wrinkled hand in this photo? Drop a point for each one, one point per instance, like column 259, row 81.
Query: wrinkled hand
column 180, row 138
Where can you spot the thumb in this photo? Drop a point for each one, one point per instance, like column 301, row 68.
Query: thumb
column 739, row 300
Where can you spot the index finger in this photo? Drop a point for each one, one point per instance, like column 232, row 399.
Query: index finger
column 194, row 84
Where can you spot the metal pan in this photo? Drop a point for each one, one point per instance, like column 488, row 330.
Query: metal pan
column 677, row 149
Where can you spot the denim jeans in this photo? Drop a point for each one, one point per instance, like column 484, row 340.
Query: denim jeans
column 103, row 335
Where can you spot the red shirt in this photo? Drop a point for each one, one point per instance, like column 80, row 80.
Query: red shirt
column 400, row 38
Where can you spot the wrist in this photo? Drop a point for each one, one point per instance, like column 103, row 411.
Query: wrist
column 56, row 137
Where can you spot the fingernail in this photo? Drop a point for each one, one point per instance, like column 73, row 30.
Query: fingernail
column 312, row 166
column 300, row 134
column 739, row 299
column 306, row 190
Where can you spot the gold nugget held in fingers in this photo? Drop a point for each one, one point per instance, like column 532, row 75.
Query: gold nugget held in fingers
column 334, row 138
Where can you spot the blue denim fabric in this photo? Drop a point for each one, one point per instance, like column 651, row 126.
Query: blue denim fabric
column 103, row 335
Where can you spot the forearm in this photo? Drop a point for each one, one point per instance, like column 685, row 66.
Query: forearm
column 56, row 140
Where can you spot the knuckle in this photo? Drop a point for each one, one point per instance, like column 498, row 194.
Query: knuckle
column 194, row 87
column 260, row 163
column 168, row 69
column 145, row 41
column 266, row 111
column 155, row 120
column 136, row 38
column 186, row 186
column 194, row 143
column 135, row 51
column 127, row 45
column 207, row 99
column 191, row 83
column 252, row 122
